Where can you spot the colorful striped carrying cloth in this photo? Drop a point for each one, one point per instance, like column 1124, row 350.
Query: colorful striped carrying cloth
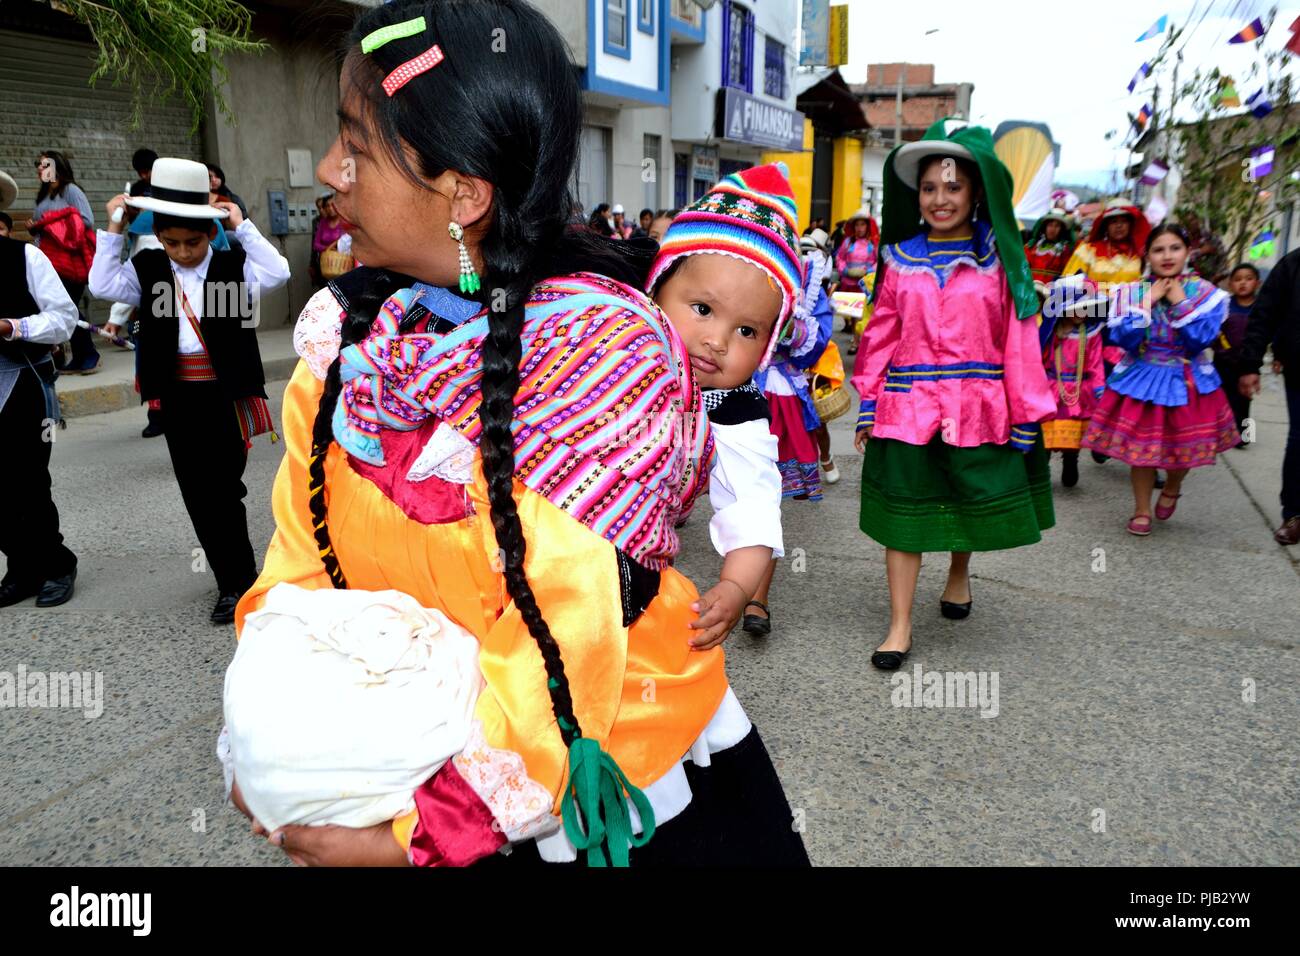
column 609, row 424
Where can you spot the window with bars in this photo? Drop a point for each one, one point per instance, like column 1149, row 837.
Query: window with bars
column 774, row 69
column 738, row 48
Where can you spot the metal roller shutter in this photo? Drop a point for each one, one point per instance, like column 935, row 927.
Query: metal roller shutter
column 47, row 102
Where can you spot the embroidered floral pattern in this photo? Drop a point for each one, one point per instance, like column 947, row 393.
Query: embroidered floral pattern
column 520, row 805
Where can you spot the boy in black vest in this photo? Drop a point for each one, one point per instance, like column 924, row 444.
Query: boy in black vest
column 35, row 313
column 198, row 352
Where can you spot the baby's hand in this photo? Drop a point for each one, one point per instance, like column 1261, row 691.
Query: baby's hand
column 720, row 608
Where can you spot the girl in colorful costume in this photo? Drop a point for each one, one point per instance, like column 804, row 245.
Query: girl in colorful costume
column 949, row 375
column 514, row 455
column 1163, row 406
column 1073, row 315
column 859, row 252
column 1050, row 246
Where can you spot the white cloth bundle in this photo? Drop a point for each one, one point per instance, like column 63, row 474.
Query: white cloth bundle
column 339, row 704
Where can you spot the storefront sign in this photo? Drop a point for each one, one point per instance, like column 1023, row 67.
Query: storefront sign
column 747, row 119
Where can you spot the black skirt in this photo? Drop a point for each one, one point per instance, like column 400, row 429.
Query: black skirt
column 738, row 816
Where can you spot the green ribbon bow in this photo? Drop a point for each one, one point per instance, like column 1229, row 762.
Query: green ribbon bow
column 596, row 786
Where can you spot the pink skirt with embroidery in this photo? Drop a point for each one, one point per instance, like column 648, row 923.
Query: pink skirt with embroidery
column 1147, row 435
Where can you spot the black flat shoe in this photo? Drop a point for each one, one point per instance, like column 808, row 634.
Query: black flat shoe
column 14, row 592
column 224, row 611
column 758, row 626
column 954, row 611
column 56, row 591
column 1070, row 470
column 1099, row 458
column 1160, row 481
column 151, row 431
column 889, row 660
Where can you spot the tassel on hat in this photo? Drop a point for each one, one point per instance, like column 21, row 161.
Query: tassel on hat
column 750, row 215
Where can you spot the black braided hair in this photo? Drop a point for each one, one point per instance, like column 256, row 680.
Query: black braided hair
column 512, row 118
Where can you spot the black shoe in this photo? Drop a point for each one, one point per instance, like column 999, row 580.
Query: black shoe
column 1070, row 470
column 224, row 611
column 758, row 626
column 954, row 611
column 16, row 591
column 152, row 430
column 56, row 591
column 1160, row 481
column 1099, row 458
column 889, row 660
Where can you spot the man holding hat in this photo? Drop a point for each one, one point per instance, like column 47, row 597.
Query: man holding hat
column 35, row 313
column 198, row 352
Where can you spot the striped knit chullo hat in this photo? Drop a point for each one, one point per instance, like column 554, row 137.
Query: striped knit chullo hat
column 750, row 215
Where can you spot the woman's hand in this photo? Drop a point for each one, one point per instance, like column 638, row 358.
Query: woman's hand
column 341, row 846
column 31, row 225
column 330, row 845
column 1155, row 292
column 860, row 440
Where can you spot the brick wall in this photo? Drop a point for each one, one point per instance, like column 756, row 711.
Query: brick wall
column 886, row 74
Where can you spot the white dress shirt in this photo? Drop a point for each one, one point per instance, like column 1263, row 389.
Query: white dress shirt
column 57, row 315
column 113, row 279
column 745, row 488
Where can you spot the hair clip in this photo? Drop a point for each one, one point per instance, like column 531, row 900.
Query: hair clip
column 394, row 31
column 412, row 68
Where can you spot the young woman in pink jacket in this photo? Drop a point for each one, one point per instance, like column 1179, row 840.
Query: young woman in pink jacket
column 950, row 375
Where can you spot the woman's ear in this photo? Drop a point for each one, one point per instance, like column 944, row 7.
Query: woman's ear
column 469, row 197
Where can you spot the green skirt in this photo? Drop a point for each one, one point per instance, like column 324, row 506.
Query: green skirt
column 936, row 497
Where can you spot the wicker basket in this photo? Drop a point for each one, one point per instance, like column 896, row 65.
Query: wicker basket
column 334, row 263
column 831, row 403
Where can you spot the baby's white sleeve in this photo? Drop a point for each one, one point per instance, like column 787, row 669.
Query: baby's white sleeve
column 745, row 488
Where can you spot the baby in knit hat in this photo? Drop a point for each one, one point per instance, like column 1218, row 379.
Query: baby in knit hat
column 728, row 276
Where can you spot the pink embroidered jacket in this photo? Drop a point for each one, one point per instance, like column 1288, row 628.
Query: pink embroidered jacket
column 944, row 352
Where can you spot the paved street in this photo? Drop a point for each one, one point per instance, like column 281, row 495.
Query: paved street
column 1119, row 691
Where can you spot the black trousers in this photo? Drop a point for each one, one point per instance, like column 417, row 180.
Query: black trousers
column 1239, row 403
column 208, row 456
column 29, row 527
column 738, row 816
column 1291, row 461
column 83, row 343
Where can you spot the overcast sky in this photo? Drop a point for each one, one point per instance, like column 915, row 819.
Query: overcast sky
column 1067, row 65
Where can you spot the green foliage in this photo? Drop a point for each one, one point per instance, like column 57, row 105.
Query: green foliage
column 162, row 48
column 1217, row 192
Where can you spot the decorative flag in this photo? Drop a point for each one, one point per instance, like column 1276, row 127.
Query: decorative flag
column 1261, row 162
column 1293, row 44
column 1251, row 31
column 1143, row 117
column 1142, row 72
column 1155, row 29
column 1259, row 103
column 1264, row 245
column 1156, row 210
column 1227, row 95
column 1155, row 171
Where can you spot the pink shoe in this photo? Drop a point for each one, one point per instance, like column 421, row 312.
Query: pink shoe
column 1139, row 525
column 1163, row 513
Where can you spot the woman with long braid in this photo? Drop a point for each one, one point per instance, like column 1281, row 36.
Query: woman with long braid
column 548, row 393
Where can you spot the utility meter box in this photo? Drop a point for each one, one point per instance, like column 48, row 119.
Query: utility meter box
column 279, row 207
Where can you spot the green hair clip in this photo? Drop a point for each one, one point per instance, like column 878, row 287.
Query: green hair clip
column 394, row 31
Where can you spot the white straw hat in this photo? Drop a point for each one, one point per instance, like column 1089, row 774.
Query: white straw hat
column 178, row 187
column 8, row 190
column 907, row 158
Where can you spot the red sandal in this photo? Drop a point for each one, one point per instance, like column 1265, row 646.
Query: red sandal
column 1163, row 513
column 1141, row 530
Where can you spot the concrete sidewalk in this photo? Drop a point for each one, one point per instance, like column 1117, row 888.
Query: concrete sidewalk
column 113, row 386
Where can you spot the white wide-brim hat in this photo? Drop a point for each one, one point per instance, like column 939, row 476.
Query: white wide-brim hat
column 178, row 187
column 8, row 190
column 907, row 159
